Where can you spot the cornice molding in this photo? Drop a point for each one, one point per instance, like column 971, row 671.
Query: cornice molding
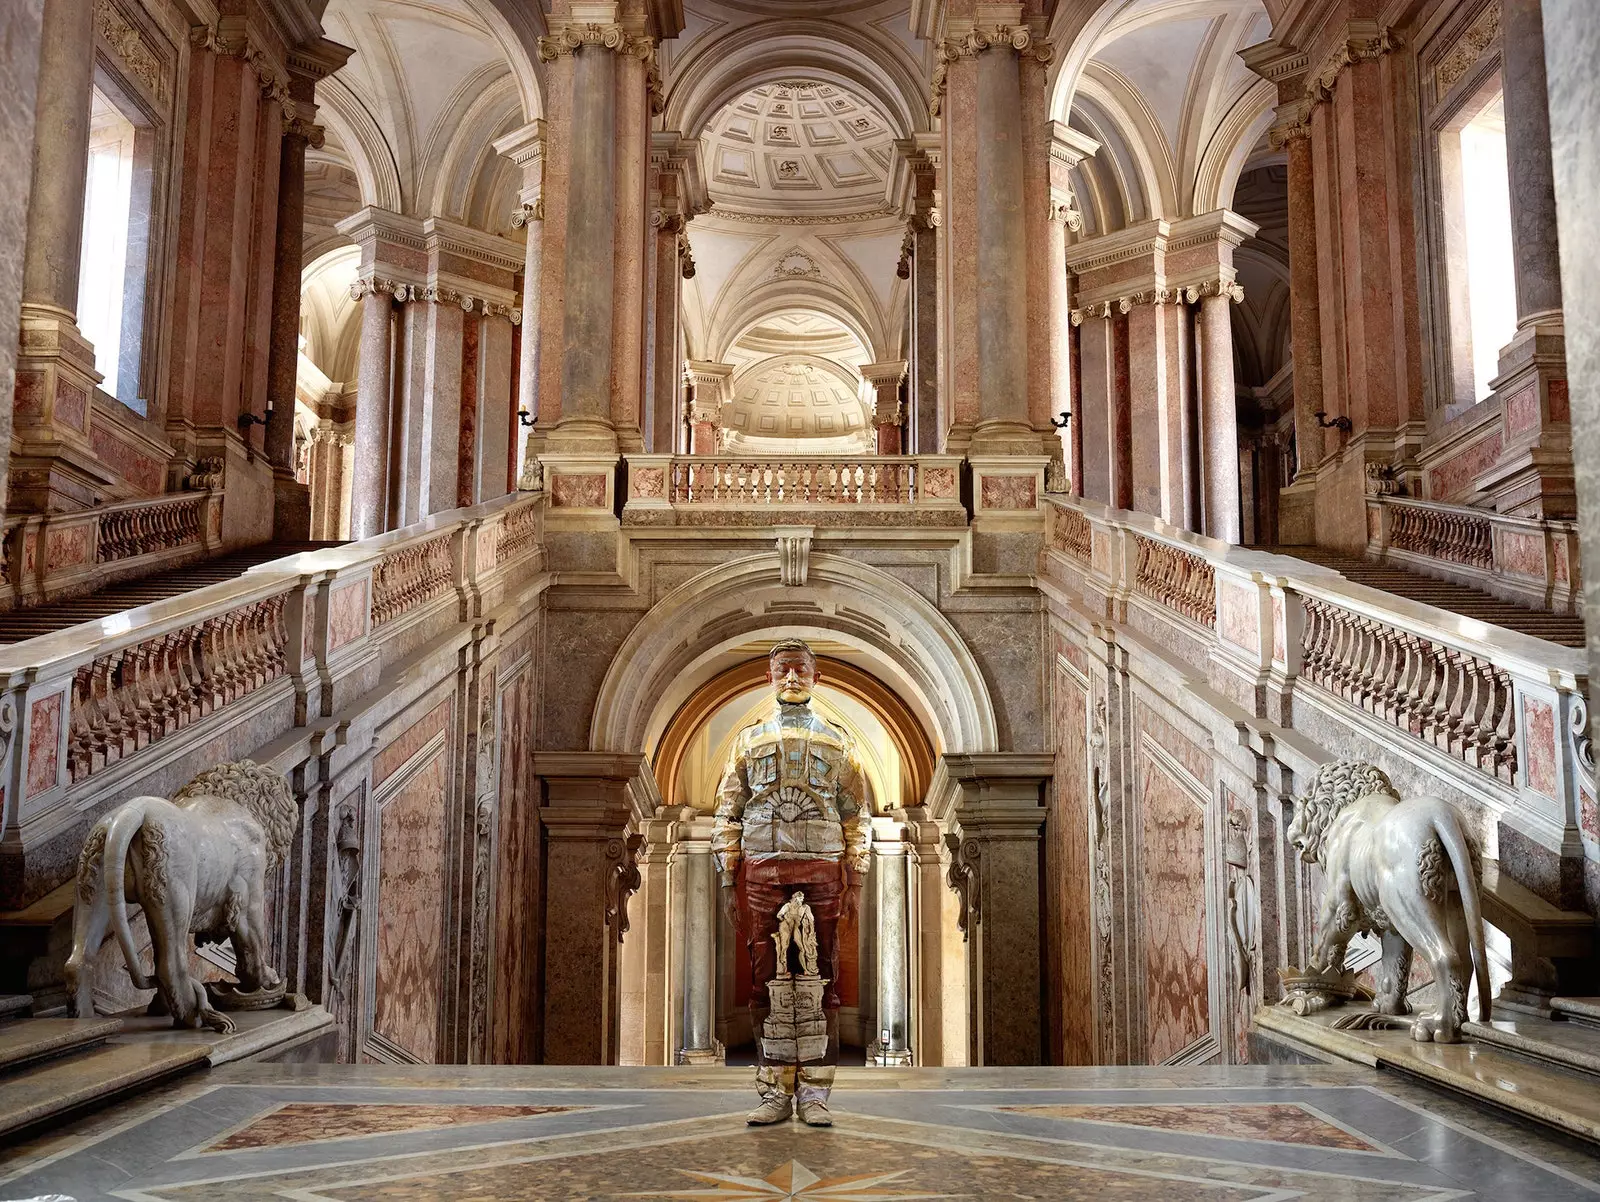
column 407, row 293
column 1161, row 295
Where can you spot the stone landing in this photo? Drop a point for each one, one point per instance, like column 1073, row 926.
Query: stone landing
column 371, row 1132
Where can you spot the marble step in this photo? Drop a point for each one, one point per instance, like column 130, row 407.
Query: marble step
column 1585, row 1010
column 53, row 1088
column 31, row 1039
column 1534, row 1089
column 15, row 1005
column 1567, row 1045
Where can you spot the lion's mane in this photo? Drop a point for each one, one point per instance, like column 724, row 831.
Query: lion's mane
column 1333, row 787
column 260, row 790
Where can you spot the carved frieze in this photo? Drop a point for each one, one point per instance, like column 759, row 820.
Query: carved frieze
column 129, row 47
column 1479, row 38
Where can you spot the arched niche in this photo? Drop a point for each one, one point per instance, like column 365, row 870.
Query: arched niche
column 905, row 733
column 874, row 622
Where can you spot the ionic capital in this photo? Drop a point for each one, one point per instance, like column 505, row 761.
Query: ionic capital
column 524, row 214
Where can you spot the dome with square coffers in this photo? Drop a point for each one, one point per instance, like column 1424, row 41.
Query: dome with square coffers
column 799, row 148
column 793, row 397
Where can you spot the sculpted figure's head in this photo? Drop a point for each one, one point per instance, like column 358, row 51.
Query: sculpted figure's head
column 798, row 898
column 1333, row 787
column 792, row 669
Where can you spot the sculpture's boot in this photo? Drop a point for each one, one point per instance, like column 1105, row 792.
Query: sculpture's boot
column 816, row 1081
column 776, row 1086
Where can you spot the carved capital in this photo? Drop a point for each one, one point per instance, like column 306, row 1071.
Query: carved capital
column 309, row 131
column 976, row 41
column 1359, row 45
column 523, row 214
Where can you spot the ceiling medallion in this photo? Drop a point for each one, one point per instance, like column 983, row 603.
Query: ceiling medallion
column 796, row 265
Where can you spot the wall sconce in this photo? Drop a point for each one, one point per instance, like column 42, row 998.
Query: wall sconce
column 1062, row 420
column 525, row 418
column 246, row 420
column 1332, row 423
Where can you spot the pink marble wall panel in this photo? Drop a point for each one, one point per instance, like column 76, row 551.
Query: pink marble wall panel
column 1068, row 650
column 578, row 491
column 1559, row 407
column 1563, row 568
column 1182, row 748
column 1100, row 557
column 1374, row 524
column 939, row 483
column 28, row 397
column 143, row 472
column 1010, row 492
column 1456, row 475
column 1239, row 616
column 1173, row 902
column 1589, row 815
column 1539, row 742
column 72, row 405
column 1517, row 551
column 488, row 547
column 30, row 552
column 411, row 740
column 67, row 547
column 44, row 744
column 647, row 483
column 411, row 883
column 1522, row 409
column 348, row 612
column 308, row 627
column 1070, row 955
column 1280, row 632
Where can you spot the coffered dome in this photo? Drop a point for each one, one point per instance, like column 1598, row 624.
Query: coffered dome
column 793, row 397
column 800, row 148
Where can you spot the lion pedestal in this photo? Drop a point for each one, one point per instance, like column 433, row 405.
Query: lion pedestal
column 197, row 866
column 1403, row 870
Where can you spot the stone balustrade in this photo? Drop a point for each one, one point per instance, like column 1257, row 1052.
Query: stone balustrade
column 47, row 556
column 1529, row 561
column 918, row 489
column 1295, row 644
column 235, row 665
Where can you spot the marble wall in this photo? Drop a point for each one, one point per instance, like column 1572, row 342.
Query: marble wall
column 1069, row 891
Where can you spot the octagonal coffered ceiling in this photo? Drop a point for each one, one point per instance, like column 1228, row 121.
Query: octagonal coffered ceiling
column 798, row 148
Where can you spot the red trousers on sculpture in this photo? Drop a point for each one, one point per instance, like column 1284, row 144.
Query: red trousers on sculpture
column 767, row 885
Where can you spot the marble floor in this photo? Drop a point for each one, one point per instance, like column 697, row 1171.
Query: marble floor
column 326, row 1133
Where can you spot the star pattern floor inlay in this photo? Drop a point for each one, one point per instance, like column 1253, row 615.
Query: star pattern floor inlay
column 325, row 1133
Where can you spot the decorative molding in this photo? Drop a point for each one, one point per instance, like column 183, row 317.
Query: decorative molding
column 794, row 554
column 796, row 264
column 974, row 42
column 578, row 35
column 273, row 85
column 964, row 875
column 622, row 880
column 129, row 46
column 1473, row 44
column 664, row 222
column 525, row 214
column 433, row 294
column 299, row 127
column 1180, row 294
column 818, row 219
column 1357, row 47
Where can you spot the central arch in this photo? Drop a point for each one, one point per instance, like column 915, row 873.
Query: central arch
column 886, row 628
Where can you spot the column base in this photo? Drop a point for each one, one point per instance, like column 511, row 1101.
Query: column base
column 879, row 1056
column 53, row 465
column 581, row 435
column 1297, row 512
column 715, row 1054
column 1004, row 438
column 291, row 508
column 1532, row 477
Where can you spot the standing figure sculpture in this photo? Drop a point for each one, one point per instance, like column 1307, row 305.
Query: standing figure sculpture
column 797, row 928
column 794, row 816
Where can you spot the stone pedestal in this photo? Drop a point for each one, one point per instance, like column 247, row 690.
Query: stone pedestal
column 796, row 1029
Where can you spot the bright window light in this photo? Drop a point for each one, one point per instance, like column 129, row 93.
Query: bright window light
column 106, row 211
column 1486, row 204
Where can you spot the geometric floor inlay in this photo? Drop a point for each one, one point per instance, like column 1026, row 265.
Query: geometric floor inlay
column 1276, row 1122
column 309, row 1122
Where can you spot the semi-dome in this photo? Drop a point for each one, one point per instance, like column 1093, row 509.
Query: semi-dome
column 793, row 397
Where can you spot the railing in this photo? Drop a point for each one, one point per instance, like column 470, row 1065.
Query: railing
column 246, row 660
column 723, row 482
column 1527, row 560
column 1497, row 702
column 1177, row 579
column 133, row 528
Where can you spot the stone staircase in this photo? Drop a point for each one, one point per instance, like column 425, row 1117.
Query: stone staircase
column 19, row 624
column 1565, row 629
column 55, row 1067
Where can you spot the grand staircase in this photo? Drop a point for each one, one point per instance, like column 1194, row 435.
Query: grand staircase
column 1565, row 629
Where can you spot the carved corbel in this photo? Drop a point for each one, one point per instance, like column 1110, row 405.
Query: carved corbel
column 622, row 880
column 965, row 876
column 794, row 554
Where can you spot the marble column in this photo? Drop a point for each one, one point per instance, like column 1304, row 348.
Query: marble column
column 699, row 1034
column 1572, row 47
column 526, row 148
column 890, row 879
column 1002, row 296
column 20, row 34
column 1157, row 337
column 1296, row 522
column 370, row 511
column 676, row 195
column 887, row 412
column 291, row 514
column 1055, row 215
column 53, row 466
column 1533, row 476
column 494, row 426
column 710, row 382
column 1094, row 420
column 1219, row 421
column 593, row 802
column 923, row 246
column 587, row 323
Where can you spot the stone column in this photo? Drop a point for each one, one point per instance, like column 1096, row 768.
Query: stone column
column 1572, row 47
column 594, row 801
column 1296, row 522
column 1219, row 421
column 922, row 258
column 711, row 382
column 369, row 492
column 938, row 949
column 494, row 426
column 291, row 513
column 21, row 28
column 1050, row 331
column 525, row 147
column 1533, row 477
column 994, row 871
column 699, row 1025
column 887, row 411
column 53, row 466
column 677, row 194
column 1002, row 246
column 890, row 879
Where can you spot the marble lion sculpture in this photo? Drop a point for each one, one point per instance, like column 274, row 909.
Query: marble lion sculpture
column 197, row 866
column 1404, row 870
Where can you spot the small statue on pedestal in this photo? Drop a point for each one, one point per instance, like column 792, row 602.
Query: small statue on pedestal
column 797, row 927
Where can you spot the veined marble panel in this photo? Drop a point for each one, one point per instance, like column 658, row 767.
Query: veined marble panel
column 411, row 889
column 1069, row 890
column 1173, row 903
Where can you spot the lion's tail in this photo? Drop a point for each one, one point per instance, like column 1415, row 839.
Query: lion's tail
column 1455, row 842
column 124, row 825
